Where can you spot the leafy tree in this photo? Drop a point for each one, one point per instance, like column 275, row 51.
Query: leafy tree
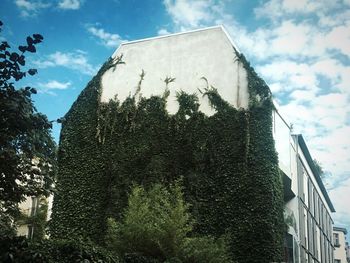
column 155, row 228
column 319, row 169
column 27, row 150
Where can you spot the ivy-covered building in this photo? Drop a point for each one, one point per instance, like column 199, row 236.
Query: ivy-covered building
column 190, row 106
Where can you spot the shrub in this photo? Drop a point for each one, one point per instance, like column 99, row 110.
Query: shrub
column 19, row 250
column 205, row 249
column 155, row 228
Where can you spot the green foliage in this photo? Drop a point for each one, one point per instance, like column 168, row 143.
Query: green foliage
column 319, row 169
column 205, row 249
column 7, row 227
column 20, row 250
column 156, row 225
column 78, row 204
column 27, row 150
column 227, row 161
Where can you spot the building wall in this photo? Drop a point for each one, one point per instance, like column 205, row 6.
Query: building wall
column 308, row 214
column 314, row 215
column 27, row 207
column 339, row 245
column 187, row 57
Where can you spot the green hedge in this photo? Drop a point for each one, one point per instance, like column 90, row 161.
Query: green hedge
column 20, row 250
column 227, row 161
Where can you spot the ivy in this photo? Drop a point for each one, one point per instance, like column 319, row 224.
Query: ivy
column 227, row 161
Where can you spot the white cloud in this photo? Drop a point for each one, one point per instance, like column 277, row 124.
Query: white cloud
column 279, row 9
column 75, row 60
column 163, row 31
column 107, row 39
column 51, row 86
column 340, row 196
column 189, row 13
column 31, row 8
column 339, row 38
column 54, row 84
column 70, row 4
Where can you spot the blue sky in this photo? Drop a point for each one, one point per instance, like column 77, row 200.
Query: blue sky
column 301, row 48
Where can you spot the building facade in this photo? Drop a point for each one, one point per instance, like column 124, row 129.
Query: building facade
column 28, row 208
column 197, row 60
column 33, row 209
column 308, row 207
column 340, row 245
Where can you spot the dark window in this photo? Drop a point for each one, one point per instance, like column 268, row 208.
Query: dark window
column 288, row 248
column 336, row 240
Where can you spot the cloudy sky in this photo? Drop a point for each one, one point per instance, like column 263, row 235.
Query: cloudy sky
column 301, row 48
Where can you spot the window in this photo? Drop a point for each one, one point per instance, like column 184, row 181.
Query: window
column 34, row 206
column 30, row 231
column 306, row 228
column 337, row 261
column 288, row 248
column 336, row 240
column 310, row 190
column 318, row 244
column 305, row 188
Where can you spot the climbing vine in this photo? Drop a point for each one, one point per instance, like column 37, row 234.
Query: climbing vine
column 227, row 161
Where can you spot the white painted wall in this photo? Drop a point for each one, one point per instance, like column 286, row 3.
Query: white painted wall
column 187, row 57
column 25, row 207
column 281, row 135
column 340, row 252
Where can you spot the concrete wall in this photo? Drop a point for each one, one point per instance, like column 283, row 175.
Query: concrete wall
column 187, row 57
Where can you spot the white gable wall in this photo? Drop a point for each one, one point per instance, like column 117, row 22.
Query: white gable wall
column 187, row 57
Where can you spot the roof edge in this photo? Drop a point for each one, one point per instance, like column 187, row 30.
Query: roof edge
column 311, row 163
column 222, row 27
column 340, row 229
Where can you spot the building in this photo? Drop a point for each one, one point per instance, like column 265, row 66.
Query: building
column 308, row 207
column 28, row 208
column 191, row 62
column 340, row 245
column 35, row 211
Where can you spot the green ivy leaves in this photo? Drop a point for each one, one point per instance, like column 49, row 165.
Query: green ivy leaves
column 227, row 161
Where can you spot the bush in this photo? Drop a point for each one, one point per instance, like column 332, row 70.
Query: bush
column 155, row 228
column 205, row 249
column 19, row 250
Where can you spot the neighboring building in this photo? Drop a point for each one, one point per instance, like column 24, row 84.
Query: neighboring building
column 308, row 207
column 340, row 245
column 347, row 252
column 30, row 208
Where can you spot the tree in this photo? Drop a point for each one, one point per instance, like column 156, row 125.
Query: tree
column 27, row 150
column 156, row 227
